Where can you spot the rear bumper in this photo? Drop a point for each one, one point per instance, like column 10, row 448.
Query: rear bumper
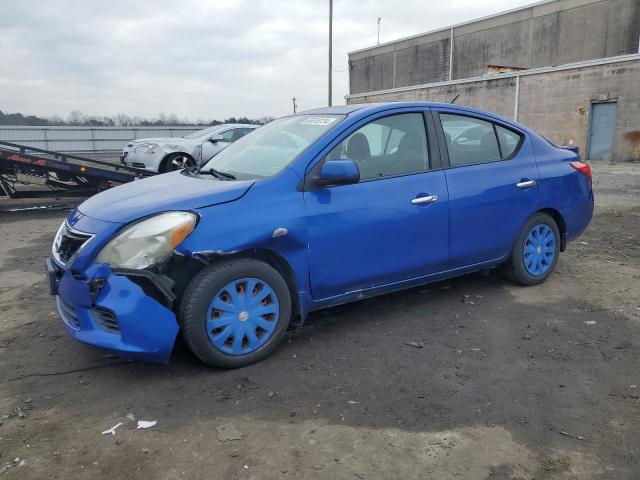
column 118, row 316
column 578, row 218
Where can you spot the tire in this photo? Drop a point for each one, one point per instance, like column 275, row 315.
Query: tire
column 217, row 323
column 176, row 161
column 535, row 252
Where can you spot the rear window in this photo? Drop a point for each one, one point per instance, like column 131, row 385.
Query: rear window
column 473, row 140
column 509, row 141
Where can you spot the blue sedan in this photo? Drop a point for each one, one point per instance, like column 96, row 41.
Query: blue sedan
column 313, row 210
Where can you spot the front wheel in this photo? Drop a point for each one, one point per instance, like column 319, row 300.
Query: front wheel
column 235, row 312
column 176, row 161
column 535, row 252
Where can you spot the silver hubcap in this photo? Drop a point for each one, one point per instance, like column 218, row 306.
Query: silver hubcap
column 244, row 316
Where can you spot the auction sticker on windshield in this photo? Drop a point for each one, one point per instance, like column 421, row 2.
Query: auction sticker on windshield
column 321, row 121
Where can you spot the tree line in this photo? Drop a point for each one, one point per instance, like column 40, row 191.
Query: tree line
column 76, row 118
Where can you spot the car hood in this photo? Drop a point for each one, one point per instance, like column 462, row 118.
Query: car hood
column 167, row 141
column 156, row 140
column 161, row 193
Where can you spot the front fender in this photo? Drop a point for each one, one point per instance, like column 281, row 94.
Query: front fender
column 269, row 217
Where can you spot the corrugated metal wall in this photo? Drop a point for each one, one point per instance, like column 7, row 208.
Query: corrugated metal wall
column 86, row 139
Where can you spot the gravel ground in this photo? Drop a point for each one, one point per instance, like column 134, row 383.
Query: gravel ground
column 511, row 382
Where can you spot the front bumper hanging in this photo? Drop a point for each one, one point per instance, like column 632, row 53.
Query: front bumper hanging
column 110, row 311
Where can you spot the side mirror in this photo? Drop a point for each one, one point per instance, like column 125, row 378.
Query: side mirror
column 338, row 172
column 216, row 139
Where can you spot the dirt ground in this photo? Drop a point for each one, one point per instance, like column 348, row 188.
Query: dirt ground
column 511, row 383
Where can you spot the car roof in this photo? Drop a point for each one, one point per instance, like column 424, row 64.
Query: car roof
column 237, row 125
column 363, row 109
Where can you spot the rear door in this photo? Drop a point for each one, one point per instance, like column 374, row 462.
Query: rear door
column 493, row 185
column 391, row 226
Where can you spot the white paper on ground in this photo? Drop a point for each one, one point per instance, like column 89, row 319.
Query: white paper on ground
column 146, row 423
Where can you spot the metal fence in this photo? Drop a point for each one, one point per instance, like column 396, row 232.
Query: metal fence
column 86, row 139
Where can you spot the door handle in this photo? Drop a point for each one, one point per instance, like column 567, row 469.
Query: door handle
column 526, row 184
column 425, row 199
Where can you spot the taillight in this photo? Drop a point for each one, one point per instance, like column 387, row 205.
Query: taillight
column 583, row 168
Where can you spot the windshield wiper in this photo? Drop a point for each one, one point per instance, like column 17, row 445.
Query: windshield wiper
column 218, row 174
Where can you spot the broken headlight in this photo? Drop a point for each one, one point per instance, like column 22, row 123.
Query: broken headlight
column 149, row 241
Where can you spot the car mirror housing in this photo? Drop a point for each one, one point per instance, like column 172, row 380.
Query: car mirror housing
column 216, row 139
column 338, row 172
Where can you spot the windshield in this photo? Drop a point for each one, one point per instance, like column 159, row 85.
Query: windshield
column 203, row 132
column 272, row 147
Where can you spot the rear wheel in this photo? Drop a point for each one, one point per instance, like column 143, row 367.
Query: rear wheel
column 535, row 252
column 176, row 161
column 235, row 313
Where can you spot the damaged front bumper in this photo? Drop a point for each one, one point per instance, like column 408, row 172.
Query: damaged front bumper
column 145, row 161
column 111, row 311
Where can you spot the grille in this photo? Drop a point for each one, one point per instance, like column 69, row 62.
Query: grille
column 67, row 314
column 68, row 242
column 106, row 320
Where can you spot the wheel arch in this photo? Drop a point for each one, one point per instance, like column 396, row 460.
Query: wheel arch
column 562, row 226
column 200, row 260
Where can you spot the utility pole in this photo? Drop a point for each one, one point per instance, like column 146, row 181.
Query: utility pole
column 330, row 48
column 295, row 107
column 379, row 18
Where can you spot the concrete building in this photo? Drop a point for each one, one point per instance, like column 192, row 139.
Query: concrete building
column 569, row 69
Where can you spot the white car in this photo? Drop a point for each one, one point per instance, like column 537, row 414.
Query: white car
column 168, row 154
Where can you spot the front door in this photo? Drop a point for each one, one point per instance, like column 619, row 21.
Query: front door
column 602, row 130
column 391, row 226
column 209, row 148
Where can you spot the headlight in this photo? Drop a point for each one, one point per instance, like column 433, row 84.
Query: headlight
column 146, row 148
column 148, row 242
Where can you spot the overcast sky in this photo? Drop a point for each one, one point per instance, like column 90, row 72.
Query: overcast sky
column 196, row 58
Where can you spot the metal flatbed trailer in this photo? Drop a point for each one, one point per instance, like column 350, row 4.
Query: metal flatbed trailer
column 57, row 174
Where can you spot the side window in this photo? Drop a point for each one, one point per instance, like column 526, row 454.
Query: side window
column 238, row 133
column 509, row 141
column 228, row 136
column 469, row 140
column 389, row 146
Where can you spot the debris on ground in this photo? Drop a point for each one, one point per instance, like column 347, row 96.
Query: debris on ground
column 112, row 430
column 577, row 437
column 19, row 411
column 529, row 335
column 590, row 322
column 228, row 432
column 131, row 417
column 146, row 423
column 467, row 299
column 414, row 344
